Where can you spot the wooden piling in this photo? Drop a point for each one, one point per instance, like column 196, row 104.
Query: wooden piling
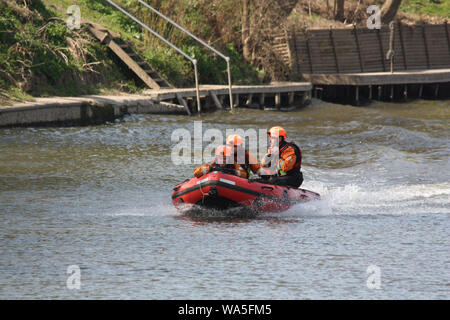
column 183, row 103
column 209, row 102
column 248, row 102
column 236, row 101
column 262, row 100
column 216, row 100
column 277, row 100
column 291, row 98
column 305, row 98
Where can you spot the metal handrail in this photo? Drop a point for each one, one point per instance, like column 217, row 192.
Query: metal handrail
column 227, row 59
column 194, row 61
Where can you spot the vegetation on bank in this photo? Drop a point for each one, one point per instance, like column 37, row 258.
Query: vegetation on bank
column 40, row 56
column 191, row 14
column 427, row 8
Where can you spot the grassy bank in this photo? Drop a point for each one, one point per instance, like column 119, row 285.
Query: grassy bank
column 170, row 64
column 430, row 8
column 40, row 56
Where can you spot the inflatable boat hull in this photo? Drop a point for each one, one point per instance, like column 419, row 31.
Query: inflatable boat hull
column 221, row 191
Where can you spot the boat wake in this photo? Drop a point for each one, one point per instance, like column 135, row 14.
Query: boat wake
column 352, row 199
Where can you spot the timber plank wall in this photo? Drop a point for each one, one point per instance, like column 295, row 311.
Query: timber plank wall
column 353, row 50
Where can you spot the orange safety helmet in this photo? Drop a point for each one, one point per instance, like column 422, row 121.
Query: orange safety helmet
column 223, row 151
column 277, row 131
column 235, row 140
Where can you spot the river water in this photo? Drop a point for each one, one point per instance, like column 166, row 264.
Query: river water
column 99, row 198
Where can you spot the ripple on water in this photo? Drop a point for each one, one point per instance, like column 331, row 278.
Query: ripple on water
column 99, row 197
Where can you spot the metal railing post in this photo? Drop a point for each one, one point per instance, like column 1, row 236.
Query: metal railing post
column 229, row 83
column 199, row 107
column 227, row 59
column 194, row 61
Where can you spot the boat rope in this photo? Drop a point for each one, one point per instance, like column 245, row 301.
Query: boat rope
column 203, row 193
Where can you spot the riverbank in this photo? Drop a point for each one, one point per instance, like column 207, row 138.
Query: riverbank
column 85, row 110
column 96, row 109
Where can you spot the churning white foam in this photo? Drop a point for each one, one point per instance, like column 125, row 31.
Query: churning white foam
column 353, row 199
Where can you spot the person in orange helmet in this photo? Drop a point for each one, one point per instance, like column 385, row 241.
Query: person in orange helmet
column 242, row 156
column 283, row 159
column 223, row 160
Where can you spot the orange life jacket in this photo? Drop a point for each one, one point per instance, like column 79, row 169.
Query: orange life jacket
column 290, row 161
column 206, row 168
column 285, row 154
column 249, row 163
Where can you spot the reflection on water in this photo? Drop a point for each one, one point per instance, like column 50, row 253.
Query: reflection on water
column 99, row 197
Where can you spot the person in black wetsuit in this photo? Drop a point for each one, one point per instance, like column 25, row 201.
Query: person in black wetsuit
column 283, row 160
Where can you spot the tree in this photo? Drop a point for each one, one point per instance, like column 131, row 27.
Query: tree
column 339, row 10
column 258, row 20
column 246, row 51
column 389, row 10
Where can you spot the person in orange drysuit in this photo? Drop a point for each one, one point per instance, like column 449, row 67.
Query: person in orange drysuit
column 223, row 160
column 241, row 156
column 288, row 156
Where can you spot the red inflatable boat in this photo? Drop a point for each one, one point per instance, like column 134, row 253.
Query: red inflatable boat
column 221, row 191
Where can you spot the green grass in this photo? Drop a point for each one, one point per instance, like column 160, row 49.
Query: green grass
column 40, row 56
column 13, row 95
column 102, row 13
column 440, row 8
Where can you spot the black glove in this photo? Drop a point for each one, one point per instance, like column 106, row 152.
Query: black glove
column 254, row 179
